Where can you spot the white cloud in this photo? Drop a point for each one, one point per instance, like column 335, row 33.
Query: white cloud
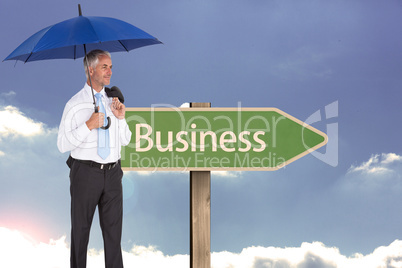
column 19, row 250
column 9, row 94
column 14, row 122
column 377, row 164
column 227, row 174
column 14, row 244
column 380, row 173
column 185, row 105
column 313, row 254
column 391, row 158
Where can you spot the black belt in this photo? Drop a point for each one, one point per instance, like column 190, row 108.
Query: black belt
column 106, row 166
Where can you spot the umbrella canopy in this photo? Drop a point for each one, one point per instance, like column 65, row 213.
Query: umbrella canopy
column 67, row 39
column 70, row 39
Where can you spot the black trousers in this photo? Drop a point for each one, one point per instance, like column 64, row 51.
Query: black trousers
column 91, row 187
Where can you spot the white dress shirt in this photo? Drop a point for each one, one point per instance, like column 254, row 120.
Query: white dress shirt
column 75, row 136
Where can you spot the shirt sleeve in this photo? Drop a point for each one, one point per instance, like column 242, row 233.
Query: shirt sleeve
column 124, row 132
column 71, row 134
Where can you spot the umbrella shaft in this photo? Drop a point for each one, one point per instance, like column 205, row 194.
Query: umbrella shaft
column 89, row 77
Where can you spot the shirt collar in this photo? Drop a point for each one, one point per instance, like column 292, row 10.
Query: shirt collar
column 88, row 90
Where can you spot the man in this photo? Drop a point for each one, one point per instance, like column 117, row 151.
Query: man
column 95, row 171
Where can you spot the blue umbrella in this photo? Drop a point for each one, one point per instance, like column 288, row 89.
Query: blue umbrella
column 71, row 38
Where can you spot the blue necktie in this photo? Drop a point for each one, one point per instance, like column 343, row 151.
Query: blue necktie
column 103, row 134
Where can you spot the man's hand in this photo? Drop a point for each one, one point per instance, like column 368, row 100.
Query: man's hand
column 118, row 108
column 96, row 120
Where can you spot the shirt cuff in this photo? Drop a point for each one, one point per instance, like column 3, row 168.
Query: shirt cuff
column 122, row 121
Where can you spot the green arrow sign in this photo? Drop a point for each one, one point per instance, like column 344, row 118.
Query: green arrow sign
column 165, row 139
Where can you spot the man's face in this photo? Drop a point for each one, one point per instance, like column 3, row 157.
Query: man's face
column 102, row 73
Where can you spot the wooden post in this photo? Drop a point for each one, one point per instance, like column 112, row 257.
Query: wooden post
column 200, row 214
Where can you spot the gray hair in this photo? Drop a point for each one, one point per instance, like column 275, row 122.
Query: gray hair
column 92, row 59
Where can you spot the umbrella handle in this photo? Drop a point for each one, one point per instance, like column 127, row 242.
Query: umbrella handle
column 108, row 124
column 108, row 120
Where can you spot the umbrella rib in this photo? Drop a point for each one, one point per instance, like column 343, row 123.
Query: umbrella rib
column 123, row 45
column 93, row 28
column 28, row 57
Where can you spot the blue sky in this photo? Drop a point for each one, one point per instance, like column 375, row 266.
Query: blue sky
column 337, row 58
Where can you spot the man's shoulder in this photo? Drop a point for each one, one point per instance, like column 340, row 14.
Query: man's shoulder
column 81, row 100
column 80, row 97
